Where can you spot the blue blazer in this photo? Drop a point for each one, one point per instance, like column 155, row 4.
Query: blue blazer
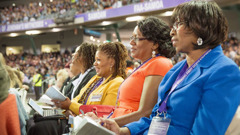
column 204, row 103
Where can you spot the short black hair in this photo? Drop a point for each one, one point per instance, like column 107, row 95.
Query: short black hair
column 205, row 19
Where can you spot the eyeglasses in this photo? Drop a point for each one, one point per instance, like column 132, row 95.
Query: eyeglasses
column 176, row 25
column 136, row 39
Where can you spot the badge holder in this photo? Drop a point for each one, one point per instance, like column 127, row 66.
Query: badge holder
column 159, row 125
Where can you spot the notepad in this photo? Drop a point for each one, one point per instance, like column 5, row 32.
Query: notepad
column 53, row 93
column 87, row 126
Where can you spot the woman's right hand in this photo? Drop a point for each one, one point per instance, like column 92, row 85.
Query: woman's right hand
column 111, row 125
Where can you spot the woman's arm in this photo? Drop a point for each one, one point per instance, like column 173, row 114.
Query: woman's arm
column 148, row 100
column 74, row 106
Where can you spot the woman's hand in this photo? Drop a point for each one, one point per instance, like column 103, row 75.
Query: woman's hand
column 62, row 104
column 69, row 112
column 92, row 115
column 111, row 125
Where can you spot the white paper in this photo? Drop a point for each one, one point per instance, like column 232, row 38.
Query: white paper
column 53, row 93
column 88, row 126
column 45, row 99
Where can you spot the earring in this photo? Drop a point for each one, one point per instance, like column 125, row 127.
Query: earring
column 111, row 69
column 199, row 41
column 153, row 54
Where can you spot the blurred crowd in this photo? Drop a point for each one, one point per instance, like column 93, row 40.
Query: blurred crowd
column 50, row 10
column 47, row 64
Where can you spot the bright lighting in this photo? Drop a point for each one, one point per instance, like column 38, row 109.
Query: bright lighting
column 98, row 41
column 32, row 32
column 56, row 30
column 167, row 13
column 40, row 4
column 106, row 22
column 13, row 4
column 51, row 0
column 13, row 35
column 91, row 37
column 134, row 18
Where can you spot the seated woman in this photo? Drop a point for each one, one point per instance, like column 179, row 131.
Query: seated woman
column 110, row 67
column 81, row 68
column 151, row 43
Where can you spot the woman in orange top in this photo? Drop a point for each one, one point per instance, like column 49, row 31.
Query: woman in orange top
column 151, row 44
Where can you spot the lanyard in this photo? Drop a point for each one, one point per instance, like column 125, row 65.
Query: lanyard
column 132, row 73
column 99, row 82
column 181, row 76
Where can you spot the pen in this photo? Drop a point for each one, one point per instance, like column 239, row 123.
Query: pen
column 108, row 117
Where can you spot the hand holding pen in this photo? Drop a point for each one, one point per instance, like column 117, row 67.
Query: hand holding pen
column 107, row 117
column 110, row 124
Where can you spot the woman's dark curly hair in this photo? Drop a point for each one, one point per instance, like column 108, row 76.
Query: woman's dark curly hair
column 156, row 30
column 87, row 51
column 205, row 19
column 118, row 52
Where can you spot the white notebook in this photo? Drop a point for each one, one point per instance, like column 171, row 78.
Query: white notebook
column 87, row 126
column 53, row 93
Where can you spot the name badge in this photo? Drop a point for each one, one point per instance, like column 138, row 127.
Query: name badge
column 159, row 126
column 96, row 97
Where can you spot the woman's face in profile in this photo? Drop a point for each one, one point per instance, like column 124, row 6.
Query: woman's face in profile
column 76, row 64
column 182, row 37
column 141, row 48
column 103, row 64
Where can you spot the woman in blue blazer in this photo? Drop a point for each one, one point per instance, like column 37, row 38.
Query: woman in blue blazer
column 200, row 94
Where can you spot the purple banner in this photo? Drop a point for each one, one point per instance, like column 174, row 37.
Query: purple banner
column 26, row 26
column 130, row 9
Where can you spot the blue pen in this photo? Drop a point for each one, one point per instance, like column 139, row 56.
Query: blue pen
column 108, row 117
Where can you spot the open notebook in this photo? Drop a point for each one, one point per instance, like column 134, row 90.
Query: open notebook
column 40, row 110
column 87, row 126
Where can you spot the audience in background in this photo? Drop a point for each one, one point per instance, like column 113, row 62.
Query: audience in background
column 57, row 9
